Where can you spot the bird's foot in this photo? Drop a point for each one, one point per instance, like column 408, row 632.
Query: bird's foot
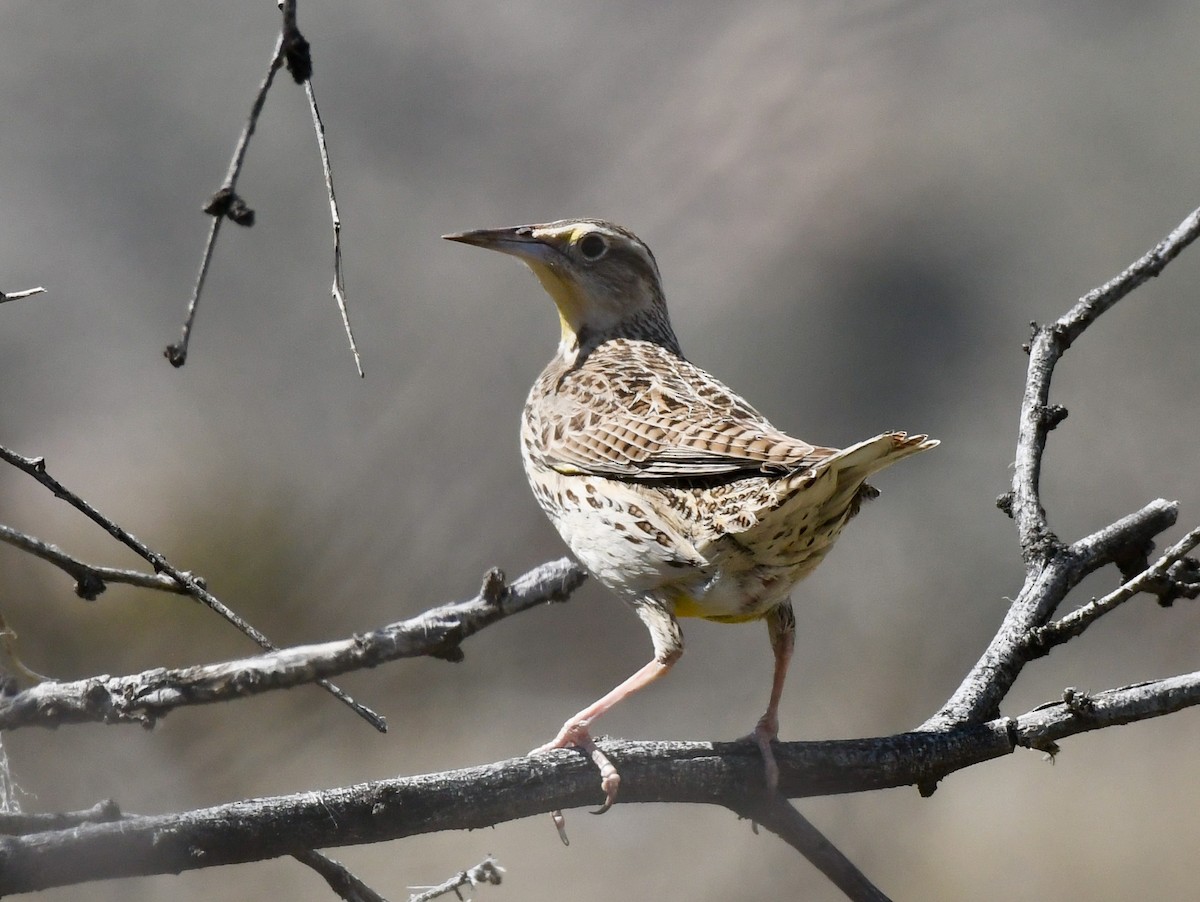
column 574, row 734
column 764, row 734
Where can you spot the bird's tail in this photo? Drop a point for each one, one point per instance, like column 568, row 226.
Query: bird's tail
column 856, row 464
column 801, row 518
column 874, row 454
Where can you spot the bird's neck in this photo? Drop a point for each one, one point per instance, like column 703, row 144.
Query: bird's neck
column 581, row 330
column 577, row 343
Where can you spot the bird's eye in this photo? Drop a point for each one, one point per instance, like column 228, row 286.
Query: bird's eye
column 592, row 246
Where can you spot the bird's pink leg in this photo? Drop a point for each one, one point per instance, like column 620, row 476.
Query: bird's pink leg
column 781, row 627
column 668, row 646
column 575, row 731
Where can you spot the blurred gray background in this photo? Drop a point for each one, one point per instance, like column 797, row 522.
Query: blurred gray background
column 857, row 209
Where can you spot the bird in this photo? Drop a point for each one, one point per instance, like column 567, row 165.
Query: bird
column 671, row 489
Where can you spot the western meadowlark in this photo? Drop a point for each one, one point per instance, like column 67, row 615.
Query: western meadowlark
column 670, row 489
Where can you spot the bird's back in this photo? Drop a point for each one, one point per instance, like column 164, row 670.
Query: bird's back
column 636, row 410
column 662, row 479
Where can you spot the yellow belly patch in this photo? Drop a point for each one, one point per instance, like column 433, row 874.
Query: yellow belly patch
column 687, row 606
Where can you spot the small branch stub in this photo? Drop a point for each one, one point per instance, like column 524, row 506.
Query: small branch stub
column 297, row 53
column 494, row 587
column 227, row 202
column 487, row 871
column 1052, row 415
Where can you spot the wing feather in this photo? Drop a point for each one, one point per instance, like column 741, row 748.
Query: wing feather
column 634, row 410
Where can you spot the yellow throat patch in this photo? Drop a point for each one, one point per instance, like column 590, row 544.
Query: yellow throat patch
column 571, row 306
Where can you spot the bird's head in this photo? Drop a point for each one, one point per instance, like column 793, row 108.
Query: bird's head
column 603, row 279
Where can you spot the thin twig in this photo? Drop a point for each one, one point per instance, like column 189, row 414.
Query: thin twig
column 10, row 802
column 339, row 275
column 300, row 65
column 292, row 50
column 144, row 697
column 1082, row 712
column 339, row 877
column 90, row 580
column 226, row 203
column 1073, row 624
column 16, row 824
column 8, row 686
column 36, row 467
column 18, row 295
column 1097, row 301
column 487, row 871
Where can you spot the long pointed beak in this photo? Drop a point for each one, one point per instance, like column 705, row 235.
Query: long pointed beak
column 519, row 241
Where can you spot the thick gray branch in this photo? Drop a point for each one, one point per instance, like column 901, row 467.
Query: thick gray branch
column 145, row 696
column 698, row 772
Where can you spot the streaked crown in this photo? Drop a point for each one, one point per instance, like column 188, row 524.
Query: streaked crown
column 603, row 279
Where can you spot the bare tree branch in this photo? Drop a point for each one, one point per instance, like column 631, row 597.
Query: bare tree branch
column 721, row 773
column 226, row 203
column 1040, row 640
column 1080, row 712
column 144, row 697
column 339, row 877
column 1046, row 347
column 979, row 695
column 1053, row 569
column 487, row 871
column 292, row 50
column 90, row 580
column 339, row 275
column 36, row 467
column 781, row 818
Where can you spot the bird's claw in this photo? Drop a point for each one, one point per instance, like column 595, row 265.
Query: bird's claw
column 560, row 824
column 575, row 734
column 610, row 780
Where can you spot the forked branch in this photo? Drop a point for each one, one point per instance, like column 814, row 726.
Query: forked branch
column 144, row 697
column 291, row 50
column 1054, row 568
column 36, row 468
